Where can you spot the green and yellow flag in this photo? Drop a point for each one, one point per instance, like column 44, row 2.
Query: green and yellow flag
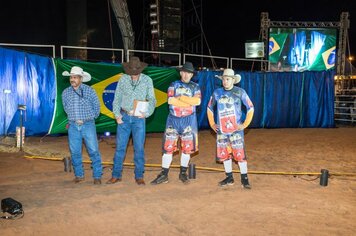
column 275, row 46
column 104, row 81
column 326, row 59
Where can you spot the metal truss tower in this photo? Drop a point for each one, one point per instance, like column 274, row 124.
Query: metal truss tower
column 343, row 35
column 123, row 19
column 343, row 26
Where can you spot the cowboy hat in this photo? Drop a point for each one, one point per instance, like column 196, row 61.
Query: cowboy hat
column 76, row 70
column 187, row 67
column 134, row 66
column 230, row 73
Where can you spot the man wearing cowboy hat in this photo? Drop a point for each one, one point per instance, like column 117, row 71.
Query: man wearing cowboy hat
column 82, row 106
column 132, row 87
column 230, row 125
column 183, row 97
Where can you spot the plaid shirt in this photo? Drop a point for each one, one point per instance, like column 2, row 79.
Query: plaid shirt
column 81, row 104
column 127, row 91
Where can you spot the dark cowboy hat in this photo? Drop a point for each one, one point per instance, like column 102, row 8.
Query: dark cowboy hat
column 134, row 66
column 187, row 67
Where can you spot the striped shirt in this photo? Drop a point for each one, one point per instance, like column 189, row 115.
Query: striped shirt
column 81, row 104
column 128, row 90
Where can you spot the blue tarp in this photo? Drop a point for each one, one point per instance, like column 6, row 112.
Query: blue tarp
column 31, row 80
column 281, row 99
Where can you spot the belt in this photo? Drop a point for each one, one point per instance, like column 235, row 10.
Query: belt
column 130, row 113
column 81, row 122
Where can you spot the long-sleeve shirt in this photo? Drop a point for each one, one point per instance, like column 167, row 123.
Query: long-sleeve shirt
column 229, row 112
column 81, row 104
column 180, row 89
column 128, row 90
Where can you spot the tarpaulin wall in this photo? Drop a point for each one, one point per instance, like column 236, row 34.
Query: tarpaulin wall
column 26, row 79
column 281, row 99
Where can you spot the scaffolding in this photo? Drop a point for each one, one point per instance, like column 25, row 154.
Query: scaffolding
column 342, row 25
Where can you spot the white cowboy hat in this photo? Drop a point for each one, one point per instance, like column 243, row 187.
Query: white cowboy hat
column 230, row 73
column 76, row 70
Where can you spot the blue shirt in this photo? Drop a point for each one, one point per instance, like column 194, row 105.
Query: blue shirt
column 179, row 88
column 229, row 107
column 81, row 104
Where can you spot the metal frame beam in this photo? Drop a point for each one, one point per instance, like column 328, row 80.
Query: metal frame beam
column 123, row 19
column 343, row 26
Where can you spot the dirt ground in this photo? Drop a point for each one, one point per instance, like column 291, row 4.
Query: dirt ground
column 284, row 169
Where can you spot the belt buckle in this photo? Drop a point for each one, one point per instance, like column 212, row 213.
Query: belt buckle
column 130, row 113
column 79, row 122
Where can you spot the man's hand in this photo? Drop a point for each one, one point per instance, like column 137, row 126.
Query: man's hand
column 240, row 127
column 119, row 120
column 143, row 115
column 215, row 127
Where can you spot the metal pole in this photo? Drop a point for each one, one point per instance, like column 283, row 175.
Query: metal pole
column 21, row 108
column 201, row 34
column 20, row 130
column 6, row 91
column 5, row 115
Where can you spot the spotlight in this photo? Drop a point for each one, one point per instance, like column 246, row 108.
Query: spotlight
column 153, row 22
column 161, row 43
column 107, row 134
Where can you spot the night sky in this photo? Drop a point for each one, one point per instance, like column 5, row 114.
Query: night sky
column 226, row 26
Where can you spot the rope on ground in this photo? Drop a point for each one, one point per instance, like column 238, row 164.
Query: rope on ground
column 205, row 168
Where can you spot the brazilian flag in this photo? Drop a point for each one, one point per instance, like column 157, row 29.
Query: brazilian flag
column 325, row 60
column 275, row 46
column 104, row 80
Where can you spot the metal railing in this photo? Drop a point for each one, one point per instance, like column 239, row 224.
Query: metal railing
column 345, row 106
column 152, row 57
column 113, row 58
column 31, row 46
column 157, row 57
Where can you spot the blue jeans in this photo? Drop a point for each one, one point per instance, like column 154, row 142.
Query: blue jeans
column 76, row 134
column 137, row 127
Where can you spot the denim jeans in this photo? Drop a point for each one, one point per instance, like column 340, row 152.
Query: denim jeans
column 76, row 134
column 137, row 127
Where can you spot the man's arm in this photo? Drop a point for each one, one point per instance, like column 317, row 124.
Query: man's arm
column 151, row 98
column 117, row 101
column 176, row 102
column 210, row 113
column 65, row 101
column 95, row 102
column 250, row 110
column 249, row 116
column 193, row 101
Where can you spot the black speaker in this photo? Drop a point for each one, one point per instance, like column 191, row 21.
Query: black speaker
column 11, row 206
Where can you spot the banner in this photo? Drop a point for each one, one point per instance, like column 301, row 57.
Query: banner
column 104, row 81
